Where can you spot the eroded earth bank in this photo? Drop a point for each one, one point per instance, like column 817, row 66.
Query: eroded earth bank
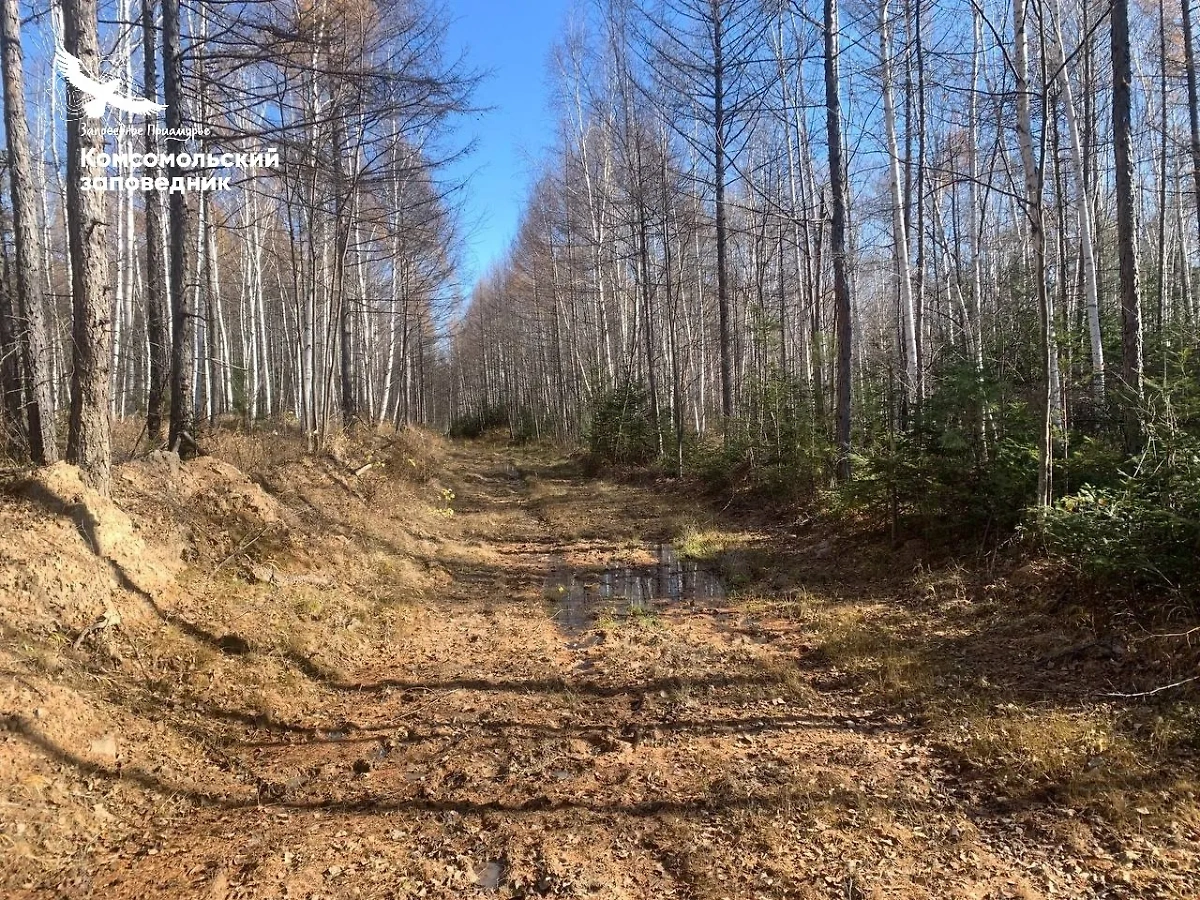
column 408, row 669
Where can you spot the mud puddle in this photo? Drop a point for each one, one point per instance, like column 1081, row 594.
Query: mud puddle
column 582, row 596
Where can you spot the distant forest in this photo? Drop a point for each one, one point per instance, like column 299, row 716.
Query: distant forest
column 939, row 256
column 931, row 264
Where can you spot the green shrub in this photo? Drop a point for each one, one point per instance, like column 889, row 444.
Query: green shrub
column 941, row 495
column 621, row 430
column 476, row 423
column 775, row 450
column 1143, row 530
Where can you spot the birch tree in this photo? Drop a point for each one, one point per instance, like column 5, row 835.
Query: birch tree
column 27, row 240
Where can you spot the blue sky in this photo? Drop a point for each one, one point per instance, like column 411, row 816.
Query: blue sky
column 513, row 40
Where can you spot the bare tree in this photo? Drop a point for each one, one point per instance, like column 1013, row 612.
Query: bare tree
column 1131, row 309
column 843, row 328
column 708, row 54
column 182, row 288
column 1037, row 235
column 89, row 436
column 30, row 306
column 158, row 369
column 899, row 228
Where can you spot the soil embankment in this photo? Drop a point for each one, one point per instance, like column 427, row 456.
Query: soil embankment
column 354, row 677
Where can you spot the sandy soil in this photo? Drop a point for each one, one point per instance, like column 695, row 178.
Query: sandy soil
column 399, row 712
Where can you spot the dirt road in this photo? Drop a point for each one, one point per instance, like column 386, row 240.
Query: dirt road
column 488, row 746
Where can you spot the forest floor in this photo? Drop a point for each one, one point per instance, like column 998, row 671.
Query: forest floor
column 329, row 681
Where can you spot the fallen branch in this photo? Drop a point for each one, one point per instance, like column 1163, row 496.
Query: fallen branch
column 245, row 546
column 110, row 619
column 427, row 702
column 191, row 442
column 1177, row 634
column 1157, row 690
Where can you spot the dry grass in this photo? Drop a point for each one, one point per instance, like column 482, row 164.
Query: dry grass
column 856, row 640
column 414, row 454
column 944, row 586
column 785, row 675
column 1114, row 762
column 902, row 675
column 258, row 450
column 703, row 543
column 1023, row 743
column 958, row 650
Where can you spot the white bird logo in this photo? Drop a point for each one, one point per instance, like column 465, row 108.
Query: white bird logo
column 103, row 93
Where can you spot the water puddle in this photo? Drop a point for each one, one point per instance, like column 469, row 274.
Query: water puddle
column 580, row 597
column 489, row 875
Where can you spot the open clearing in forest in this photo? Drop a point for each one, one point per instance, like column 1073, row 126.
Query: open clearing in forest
column 360, row 685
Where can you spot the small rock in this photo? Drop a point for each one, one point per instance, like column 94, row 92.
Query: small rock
column 105, row 749
column 361, row 767
column 489, row 875
column 103, row 814
column 218, row 886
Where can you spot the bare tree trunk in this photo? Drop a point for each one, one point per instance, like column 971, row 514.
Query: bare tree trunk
column 183, row 314
column 156, row 276
column 1033, row 214
column 345, row 317
column 722, row 252
column 88, row 437
column 13, row 421
column 976, row 228
column 899, row 232
column 841, row 284
column 1131, row 309
column 1189, row 59
column 30, row 305
column 1082, row 206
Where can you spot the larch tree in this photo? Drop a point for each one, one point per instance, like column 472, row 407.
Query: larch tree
column 157, row 306
column 89, row 438
column 1032, row 169
column 705, row 53
column 900, row 250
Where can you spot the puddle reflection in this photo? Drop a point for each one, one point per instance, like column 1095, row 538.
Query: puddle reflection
column 579, row 597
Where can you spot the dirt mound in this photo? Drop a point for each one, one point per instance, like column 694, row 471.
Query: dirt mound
column 206, row 507
column 226, row 492
column 233, row 510
column 64, row 569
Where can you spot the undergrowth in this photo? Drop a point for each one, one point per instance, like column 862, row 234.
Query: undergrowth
column 960, row 476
